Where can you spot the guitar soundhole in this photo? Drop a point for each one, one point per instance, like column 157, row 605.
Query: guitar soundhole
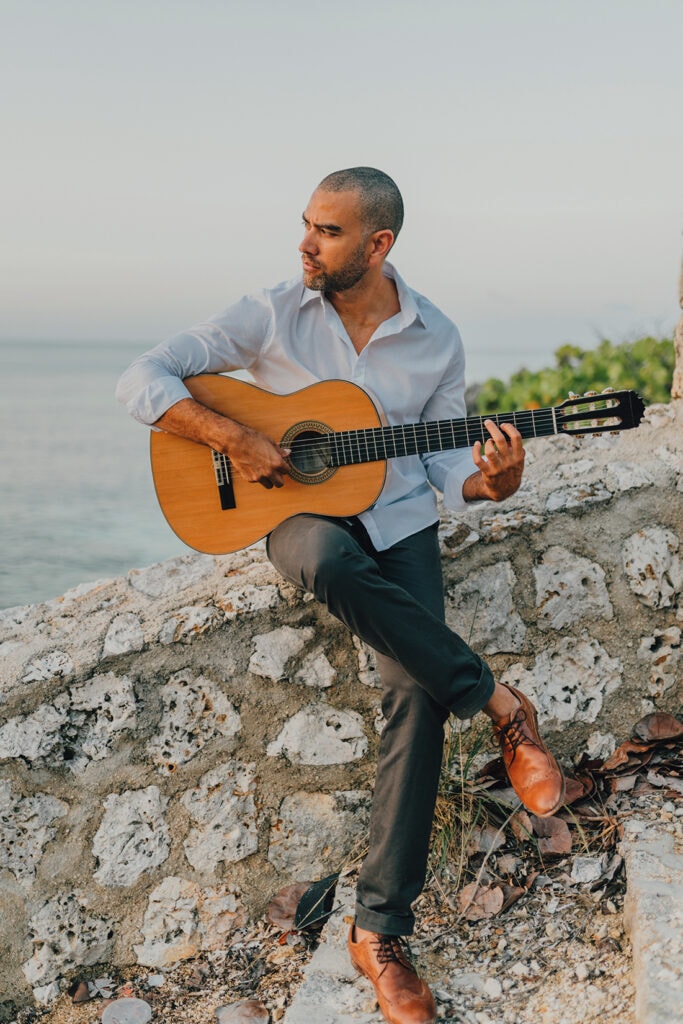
column 311, row 458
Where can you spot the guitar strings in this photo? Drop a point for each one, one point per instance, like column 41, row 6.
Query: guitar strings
column 458, row 433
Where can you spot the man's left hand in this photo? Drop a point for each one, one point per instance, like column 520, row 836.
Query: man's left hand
column 500, row 462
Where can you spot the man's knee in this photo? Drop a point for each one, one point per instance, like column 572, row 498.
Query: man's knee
column 316, row 554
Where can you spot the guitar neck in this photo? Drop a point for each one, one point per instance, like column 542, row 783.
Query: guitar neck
column 349, row 447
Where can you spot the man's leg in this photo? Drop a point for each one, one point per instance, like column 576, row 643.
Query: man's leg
column 336, row 562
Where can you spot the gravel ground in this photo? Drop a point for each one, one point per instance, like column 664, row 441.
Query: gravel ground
column 557, row 955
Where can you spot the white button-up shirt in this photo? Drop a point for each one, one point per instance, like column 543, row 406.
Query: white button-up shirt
column 288, row 337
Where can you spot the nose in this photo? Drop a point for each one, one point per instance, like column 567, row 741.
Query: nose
column 308, row 243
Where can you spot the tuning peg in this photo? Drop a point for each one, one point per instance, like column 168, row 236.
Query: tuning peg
column 608, row 391
column 590, row 394
column 573, row 394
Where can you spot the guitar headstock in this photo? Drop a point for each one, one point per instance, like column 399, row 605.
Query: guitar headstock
column 595, row 413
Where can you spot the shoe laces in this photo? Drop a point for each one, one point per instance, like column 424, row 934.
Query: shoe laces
column 512, row 733
column 390, row 949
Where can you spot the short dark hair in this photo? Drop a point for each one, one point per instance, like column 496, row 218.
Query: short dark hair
column 380, row 199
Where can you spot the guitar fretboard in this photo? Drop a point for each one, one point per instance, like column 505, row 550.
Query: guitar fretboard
column 348, row 447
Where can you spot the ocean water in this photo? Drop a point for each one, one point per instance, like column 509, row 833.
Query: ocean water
column 77, row 502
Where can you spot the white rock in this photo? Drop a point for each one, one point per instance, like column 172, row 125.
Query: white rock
column 187, row 624
column 124, row 635
column 368, row 672
column 569, row 588
column 133, row 836
column 315, row 831
column 172, row 576
column 65, row 936
column 501, row 525
column 569, row 681
column 586, row 869
column 181, row 920
column 320, row 734
column 248, row 598
column 482, row 610
column 273, row 650
column 653, row 567
column 625, row 476
column 195, row 710
column 599, row 746
column 54, row 665
column 34, row 736
column 574, row 497
column 26, row 829
column 170, row 928
column 224, row 812
column 315, row 671
column 662, row 652
column 98, row 711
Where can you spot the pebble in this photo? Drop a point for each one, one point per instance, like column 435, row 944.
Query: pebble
column 582, row 973
column 493, row 988
column 127, row 1011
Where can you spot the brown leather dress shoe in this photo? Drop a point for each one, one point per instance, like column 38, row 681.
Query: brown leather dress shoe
column 403, row 997
column 534, row 773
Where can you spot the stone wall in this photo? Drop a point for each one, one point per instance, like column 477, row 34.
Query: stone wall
column 178, row 743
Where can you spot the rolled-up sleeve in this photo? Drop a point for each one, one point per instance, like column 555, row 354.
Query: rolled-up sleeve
column 230, row 341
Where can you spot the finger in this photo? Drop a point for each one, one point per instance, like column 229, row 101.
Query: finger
column 514, row 438
column 496, row 433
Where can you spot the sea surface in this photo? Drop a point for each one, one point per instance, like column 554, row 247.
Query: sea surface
column 77, row 502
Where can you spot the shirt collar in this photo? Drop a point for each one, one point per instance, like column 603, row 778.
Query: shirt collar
column 409, row 309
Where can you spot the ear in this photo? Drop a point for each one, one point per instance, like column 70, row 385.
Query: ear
column 381, row 242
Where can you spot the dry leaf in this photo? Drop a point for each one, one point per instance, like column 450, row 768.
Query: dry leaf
column 282, row 908
column 629, row 756
column 479, row 901
column 554, row 835
column 657, row 727
column 482, row 840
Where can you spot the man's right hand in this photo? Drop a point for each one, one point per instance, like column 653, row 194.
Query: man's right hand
column 258, row 459
column 254, row 456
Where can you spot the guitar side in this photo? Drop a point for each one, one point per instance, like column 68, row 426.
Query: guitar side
column 185, row 477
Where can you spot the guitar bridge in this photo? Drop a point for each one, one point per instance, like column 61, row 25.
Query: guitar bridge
column 221, row 468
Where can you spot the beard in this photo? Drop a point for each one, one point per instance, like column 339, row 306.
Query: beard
column 339, row 280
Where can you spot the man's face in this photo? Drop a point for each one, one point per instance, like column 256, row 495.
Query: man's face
column 334, row 249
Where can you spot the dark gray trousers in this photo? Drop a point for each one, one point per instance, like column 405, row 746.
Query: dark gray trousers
column 393, row 601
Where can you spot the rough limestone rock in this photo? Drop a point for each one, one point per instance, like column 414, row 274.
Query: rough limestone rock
column 315, row 832
column 65, row 934
column 316, row 671
column 319, row 735
column 653, row 566
column 26, row 829
column 569, row 588
column 568, row 681
column 195, row 711
column 182, row 919
column 132, row 838
column 223, row 812
column 662, row 653
column 274, row 650
column 481, row 609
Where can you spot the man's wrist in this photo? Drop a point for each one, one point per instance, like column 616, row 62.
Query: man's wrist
column 473, row 488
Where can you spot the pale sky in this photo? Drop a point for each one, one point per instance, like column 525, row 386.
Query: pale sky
column 157, row 156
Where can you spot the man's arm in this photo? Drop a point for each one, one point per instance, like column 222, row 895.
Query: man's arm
column 500, row 462
column 256, row 457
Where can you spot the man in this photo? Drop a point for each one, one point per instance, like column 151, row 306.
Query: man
column 353, row 318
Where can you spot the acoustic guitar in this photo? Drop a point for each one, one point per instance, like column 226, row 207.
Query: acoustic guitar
column 340, row 444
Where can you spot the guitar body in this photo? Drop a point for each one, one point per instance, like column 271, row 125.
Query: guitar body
column 185, row 474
